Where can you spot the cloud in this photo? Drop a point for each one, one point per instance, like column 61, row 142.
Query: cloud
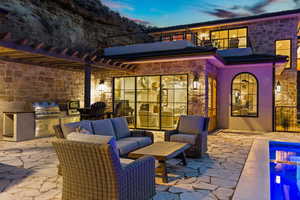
column 139, row 21
column 297, row 2
column 243, row 11
column 116, row 5
column 261, row 6
column 221, row 13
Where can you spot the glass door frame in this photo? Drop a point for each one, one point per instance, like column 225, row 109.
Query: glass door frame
column 160, row 96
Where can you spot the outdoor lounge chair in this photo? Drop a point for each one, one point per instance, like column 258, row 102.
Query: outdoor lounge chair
column 123, row 109
column 96, row 111
column 94, row 172
column 192, row 130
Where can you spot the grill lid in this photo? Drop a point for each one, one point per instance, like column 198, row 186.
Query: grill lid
column 46, row 108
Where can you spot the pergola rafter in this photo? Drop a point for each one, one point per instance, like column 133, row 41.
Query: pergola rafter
column 26, row 52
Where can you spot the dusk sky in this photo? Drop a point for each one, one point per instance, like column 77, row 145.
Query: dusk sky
column 174, row 12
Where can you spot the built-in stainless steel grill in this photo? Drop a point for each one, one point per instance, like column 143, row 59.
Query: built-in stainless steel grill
column 47, row 114
column 46, row 110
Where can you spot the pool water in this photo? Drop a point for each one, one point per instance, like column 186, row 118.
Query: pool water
column 285, row 170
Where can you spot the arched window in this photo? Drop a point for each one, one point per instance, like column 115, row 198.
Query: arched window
column 244, row 95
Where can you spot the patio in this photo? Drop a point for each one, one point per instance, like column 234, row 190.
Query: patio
column 28, row 169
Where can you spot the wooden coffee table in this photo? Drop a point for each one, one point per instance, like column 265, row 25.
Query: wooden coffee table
column 163, row 151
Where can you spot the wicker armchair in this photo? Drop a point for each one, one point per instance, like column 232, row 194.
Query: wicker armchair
column 192, row 130
column 94, row 172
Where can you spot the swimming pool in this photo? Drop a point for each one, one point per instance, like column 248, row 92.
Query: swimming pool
column 284, row 170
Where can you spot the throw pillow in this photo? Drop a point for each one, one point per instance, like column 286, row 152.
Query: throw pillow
column 103, row 127
column 121, row 127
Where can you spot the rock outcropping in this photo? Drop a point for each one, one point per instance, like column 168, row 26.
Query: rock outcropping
column 77, row 24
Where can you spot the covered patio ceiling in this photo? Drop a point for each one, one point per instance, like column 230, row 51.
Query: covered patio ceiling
column 27, row 52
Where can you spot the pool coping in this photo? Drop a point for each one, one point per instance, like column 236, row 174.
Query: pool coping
column 254, row 182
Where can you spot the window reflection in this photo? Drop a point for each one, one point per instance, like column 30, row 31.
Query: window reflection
column 124, row 98
column 148, row 89
column 158, row 100
column 230, row 38
column 174, row 98
column 244, row 95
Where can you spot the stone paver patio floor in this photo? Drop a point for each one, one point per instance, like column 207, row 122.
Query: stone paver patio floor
column 28, row 169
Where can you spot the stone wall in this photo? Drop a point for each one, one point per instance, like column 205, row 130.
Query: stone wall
column 262, row 37
column 21, row 85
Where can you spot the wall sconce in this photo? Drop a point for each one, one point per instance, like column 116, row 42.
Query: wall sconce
column 278, row 87
column 101, row 87
column 196, row 84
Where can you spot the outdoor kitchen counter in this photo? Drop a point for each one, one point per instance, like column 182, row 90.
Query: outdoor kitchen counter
column 17, row 112
column 18, row 126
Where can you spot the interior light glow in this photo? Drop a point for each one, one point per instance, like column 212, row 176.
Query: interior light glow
column 278, row 179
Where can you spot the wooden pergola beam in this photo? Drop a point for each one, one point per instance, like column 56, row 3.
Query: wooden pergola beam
column 38, row 54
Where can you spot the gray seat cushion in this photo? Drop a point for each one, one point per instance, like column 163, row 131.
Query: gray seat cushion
column 126, row 146
column 76, row 126
column 103, row 127
column 121, row 127
column 125, row 162
column 142, row 141
column 186, row 138
column 191, row 124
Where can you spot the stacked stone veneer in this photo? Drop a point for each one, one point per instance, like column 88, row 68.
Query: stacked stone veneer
column 262, row 39
column 21, row 85
column 196, row 98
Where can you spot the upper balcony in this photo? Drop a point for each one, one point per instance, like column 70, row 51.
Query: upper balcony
column 231, row 38
column 216, row 39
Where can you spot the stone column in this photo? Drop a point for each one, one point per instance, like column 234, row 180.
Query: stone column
column 87, row 85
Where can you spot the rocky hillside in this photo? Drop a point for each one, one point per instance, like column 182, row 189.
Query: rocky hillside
column 76, row 24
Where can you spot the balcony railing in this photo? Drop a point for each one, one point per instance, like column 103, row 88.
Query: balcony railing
column 286, row 119
column 144, row 37
column 216, row 43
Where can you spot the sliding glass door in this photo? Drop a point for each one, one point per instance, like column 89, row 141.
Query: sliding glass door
column 148, row 102
column 151, row 102
column 173, row 100
column 124, row 99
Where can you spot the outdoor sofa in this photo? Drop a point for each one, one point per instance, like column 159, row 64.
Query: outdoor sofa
column 127, row 141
